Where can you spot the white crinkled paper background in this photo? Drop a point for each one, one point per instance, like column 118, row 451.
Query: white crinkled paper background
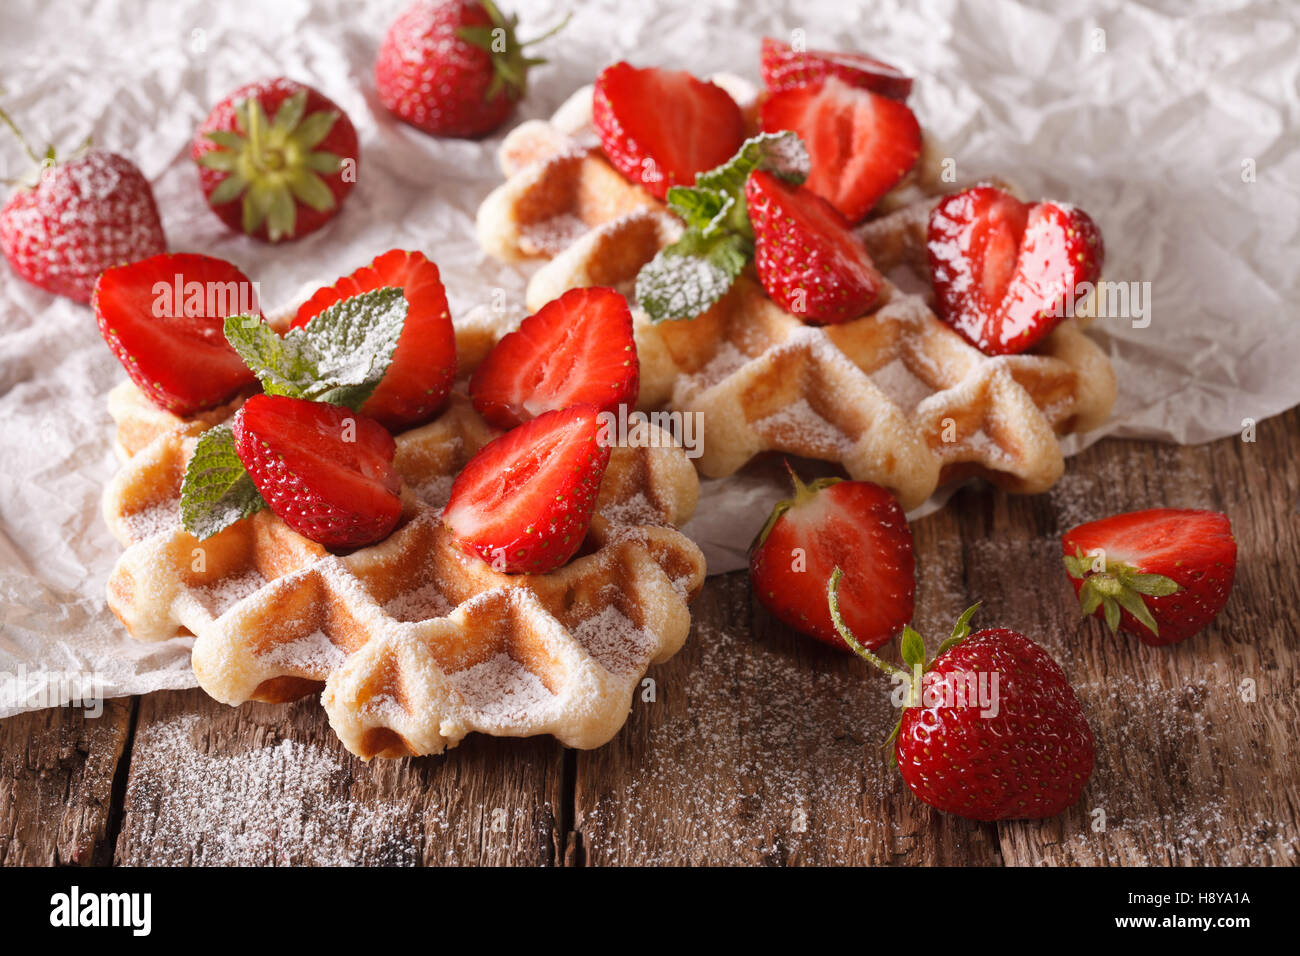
column 1149, row 135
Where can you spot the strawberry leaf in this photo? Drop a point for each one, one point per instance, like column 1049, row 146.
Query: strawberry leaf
column 216, row 491
column 689, row 276
column 912, row 648
column 339, row 357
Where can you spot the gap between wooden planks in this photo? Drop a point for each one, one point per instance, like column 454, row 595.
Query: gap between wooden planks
column 761, row 747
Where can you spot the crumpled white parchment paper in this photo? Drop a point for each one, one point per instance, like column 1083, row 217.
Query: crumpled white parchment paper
column 1175, row 129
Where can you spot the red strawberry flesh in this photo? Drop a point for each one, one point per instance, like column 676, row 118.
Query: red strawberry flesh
column 785, row 68
column 860, row 144
column 525, row 501
column 577, row 349
column 172, row 344
column 856, row 526
column 660, row 128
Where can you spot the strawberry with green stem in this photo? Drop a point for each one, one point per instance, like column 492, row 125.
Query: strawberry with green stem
column 276, row 159
column 991, row 728
column 1162, row 574
column 454, row 68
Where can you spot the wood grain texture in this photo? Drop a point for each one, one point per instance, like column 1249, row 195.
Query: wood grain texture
column 57, row 769
column 271, row 785
column 758, row 747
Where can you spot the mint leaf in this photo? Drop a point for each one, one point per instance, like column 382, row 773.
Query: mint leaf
column 696, row 271
column 782, row 154
column 687, row 277
column 216, row 491
column 339, row 357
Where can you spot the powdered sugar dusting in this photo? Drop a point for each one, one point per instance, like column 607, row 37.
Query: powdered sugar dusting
column 153, row 520
column 313, row 653
column 900, row 386
column 420, row 604
column 223, row 594
column 276, row 804
column 799, row 425
column 501, row 689
column 612, row 639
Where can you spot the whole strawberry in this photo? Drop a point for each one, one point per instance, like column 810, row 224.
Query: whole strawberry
column 276, row 159
column 992, row 730
column 1162, row 574
column 453, row 68
column 81, row 217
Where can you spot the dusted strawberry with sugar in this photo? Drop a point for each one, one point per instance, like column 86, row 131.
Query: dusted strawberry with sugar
column 325, row 470
column 524, row 502
column 172, row 342
column 276, row 159
column 1003, row 270
column 81, row 217
column 660, row 128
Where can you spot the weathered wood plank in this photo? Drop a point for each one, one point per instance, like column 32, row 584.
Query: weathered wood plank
column 56, row 784
column 1188, row 772
column 262, row 784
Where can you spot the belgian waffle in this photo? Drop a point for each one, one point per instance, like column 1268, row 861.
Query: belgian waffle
column 896, row 396
column 412, row 642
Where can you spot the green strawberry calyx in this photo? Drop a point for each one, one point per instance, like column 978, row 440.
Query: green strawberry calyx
column 911, row 648
column 339, row 358
column 272, row 165
column 41, row 161
column 510, row 64
column 691, row 274
column 1118, row 586
column 803, row 492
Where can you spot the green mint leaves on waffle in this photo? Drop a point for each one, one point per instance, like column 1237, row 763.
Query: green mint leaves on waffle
column 693, row 273
column 338, row 358
column 217, row 491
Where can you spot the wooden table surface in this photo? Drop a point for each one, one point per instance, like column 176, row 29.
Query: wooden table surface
column 760, row 747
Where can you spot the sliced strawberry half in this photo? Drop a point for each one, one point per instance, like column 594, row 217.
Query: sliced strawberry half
column 807, row 259
column 1162, row 574
column 1003, row 270
column 860, row 144
column 854, row 525
column 419, row 378
column 325, row 470
column 661, row 127
column 785, row 68
column 577, row 349
column 525, row 501
column 164, row 319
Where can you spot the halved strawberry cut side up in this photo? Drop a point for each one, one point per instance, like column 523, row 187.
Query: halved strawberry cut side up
column 418, row 380
column 1005, row 271
column 164, row 319
column 860, row 144
column 577, row 349
column 659, row 128
column 524, row 502
column 785, row 68
column 806, row 257
column 325, row 470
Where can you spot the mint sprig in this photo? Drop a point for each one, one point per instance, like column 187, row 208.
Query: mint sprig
column 691, row 274
column 339, row 357
column 217, row 491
